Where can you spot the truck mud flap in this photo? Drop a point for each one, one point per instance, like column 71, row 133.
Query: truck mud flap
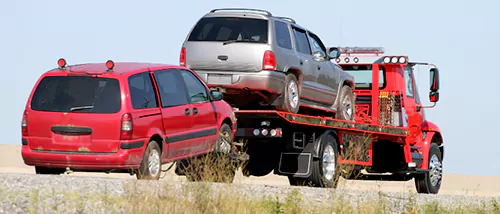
column 295, row 164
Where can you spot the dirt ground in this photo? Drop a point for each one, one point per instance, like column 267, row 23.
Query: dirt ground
column 453, row 184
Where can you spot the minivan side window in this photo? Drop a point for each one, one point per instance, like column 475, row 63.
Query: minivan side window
column 142, row 93
column 282, row 35
column 171, row 88
column 196, row 90
column 301, row 41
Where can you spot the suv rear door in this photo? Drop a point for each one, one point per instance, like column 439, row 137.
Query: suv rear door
column 75, row 113
column 206, row 48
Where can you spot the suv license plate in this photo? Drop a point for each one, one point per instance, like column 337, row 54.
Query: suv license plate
column 219, row 79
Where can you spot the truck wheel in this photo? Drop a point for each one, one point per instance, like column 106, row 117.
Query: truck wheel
column 41, row 170
column 291, row 95
column 325, row 171
column 346, row 107
column 150, row 168
column 430, row 182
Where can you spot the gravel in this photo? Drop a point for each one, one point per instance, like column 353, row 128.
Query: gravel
column 29, row 193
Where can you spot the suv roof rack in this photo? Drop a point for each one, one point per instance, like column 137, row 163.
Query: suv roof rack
column 248, row 9
column 286, row 19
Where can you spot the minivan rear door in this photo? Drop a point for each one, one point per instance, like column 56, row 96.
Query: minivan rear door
column 75, row 114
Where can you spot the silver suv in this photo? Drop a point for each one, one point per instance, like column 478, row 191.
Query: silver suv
column 255, row 58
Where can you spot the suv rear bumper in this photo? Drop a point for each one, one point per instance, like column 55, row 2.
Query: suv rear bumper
column 122, row 159
column 271, row 81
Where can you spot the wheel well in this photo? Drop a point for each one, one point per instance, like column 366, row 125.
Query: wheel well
column 348, row 83
column 228, row 122
column 339, row 141
column 438, row 139
column 158, row 139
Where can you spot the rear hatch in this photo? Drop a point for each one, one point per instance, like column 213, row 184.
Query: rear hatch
column 75, row 114
column 227, row 44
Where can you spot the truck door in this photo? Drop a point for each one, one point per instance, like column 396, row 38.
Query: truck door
column 412, row 104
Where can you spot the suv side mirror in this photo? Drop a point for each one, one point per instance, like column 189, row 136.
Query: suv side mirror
column 216, row 95
column 434, row 94
column 333, row 52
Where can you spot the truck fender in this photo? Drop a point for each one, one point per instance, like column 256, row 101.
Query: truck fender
column 318, row 141
column 425, row 144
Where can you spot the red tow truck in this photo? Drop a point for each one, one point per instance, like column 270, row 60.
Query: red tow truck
column 390, row 137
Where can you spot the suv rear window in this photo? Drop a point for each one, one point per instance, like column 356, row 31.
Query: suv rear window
column 77, row 94
column 230, row 28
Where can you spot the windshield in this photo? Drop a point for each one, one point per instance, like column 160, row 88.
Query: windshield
column 230, row 29
column 363, row 75
column 77, row 94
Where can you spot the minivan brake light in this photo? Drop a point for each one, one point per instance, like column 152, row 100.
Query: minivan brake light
column 126, row 127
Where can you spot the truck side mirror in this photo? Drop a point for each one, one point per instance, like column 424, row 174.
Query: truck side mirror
column 434, row 72
column 333, row 52
column 216, row 95
column 434, row 96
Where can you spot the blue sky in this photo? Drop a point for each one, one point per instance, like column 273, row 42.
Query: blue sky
column 460, row 37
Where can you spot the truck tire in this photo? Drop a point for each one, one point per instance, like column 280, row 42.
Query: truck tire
column 291, row 95
column 430, row 182
column 320, row 178
column 346, row 107
column 150, row 168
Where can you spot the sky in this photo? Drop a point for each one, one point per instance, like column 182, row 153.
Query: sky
column 460, row 37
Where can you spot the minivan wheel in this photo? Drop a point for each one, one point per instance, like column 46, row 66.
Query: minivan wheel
column 150, row 168
column 41, row 170
column 291, row 95
column 346, row 106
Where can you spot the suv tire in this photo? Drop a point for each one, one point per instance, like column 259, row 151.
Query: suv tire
column 346, row 107
column 290, row 94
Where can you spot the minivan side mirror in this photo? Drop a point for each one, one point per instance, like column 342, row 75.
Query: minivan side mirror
column 216, row 95
column 333, row 52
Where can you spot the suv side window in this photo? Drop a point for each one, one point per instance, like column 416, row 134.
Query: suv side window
column 171, row 88
column 301, row 41
column 317, row 45
column 142, row 92
column 282, row 35
column 197, row 92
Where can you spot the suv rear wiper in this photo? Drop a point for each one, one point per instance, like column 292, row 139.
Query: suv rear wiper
column 81, row 108
column 235, row 41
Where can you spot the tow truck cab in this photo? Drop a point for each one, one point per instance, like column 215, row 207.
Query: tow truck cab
column 386, row 94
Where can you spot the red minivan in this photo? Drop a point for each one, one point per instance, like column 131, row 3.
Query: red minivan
column 126, row 116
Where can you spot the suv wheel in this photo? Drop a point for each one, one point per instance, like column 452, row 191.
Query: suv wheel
column 291, row 95
column 150, row 168
column 346, row 107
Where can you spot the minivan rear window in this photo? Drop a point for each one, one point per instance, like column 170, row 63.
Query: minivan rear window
column 230, row 28
column 77, row 94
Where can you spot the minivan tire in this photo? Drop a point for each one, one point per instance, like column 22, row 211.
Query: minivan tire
column 145, row 172
column 290, row 80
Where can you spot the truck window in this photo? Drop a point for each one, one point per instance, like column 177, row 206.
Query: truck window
column 77, row 94
column 363, row 75
column 230, row 28
column 409, row 82
column 142, row 92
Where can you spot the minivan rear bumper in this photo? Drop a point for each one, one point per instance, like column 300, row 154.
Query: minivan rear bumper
column 271, row 81
column 122, row 159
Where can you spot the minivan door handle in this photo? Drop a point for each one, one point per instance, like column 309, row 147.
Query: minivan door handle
column 187, row 112
column 195, row 111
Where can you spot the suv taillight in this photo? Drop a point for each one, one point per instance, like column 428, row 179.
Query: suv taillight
column 24, row 124
column 126, row 128
column 269, row 61
column 182, row 58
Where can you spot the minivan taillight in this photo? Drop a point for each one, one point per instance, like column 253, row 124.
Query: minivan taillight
column 126, row 128
column 269, row 61
column 182, row 58
column 24, row 124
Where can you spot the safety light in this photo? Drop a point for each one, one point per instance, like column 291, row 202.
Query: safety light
column 387, row 59
column 394, row 59
column 356, row 60
column 61, row 62
column 346, row 60
column 110, row 64
column 264, row 132
column 402, row 59
column 337, row 60
column 361, row 50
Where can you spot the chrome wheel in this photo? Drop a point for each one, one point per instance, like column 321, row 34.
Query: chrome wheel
column 435, row 170
column 224, row 146
column 293, row 95
column 154, row 162
column 347, row 107
column 329, row 162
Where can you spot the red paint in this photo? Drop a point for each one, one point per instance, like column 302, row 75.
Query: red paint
column 101, row 148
